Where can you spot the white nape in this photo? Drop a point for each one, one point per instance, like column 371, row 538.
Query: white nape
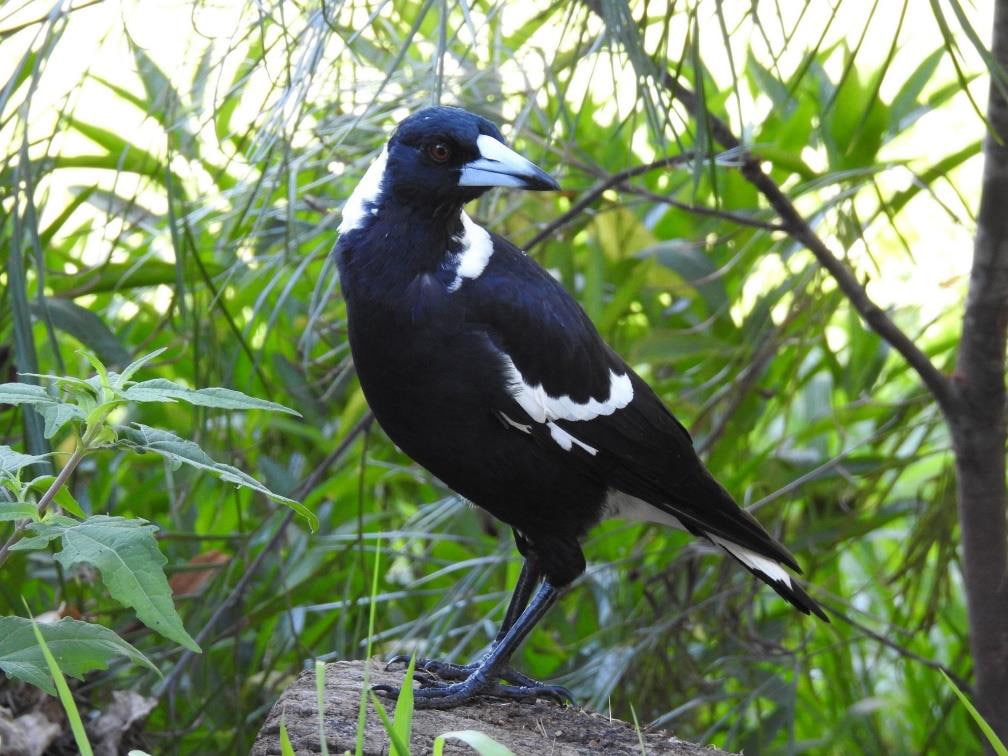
column 541, row 407
column 567, row 441
column 754, row 561
column 366, row 193
column 473, row 257
column 622, row 506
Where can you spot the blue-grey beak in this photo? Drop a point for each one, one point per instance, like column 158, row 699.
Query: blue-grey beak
column 499, row 165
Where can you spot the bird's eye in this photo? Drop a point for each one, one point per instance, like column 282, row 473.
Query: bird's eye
column 439, row 152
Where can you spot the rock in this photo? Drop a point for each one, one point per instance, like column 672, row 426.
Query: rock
column 536, row 728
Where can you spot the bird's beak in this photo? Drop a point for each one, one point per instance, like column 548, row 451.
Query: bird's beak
column 499, row 165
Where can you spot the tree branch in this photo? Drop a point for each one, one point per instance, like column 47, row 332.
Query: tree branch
column 876, row 318
column 796, row 227
column 598, row 190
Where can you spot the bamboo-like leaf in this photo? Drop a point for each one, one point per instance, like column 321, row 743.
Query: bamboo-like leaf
column 85, row 326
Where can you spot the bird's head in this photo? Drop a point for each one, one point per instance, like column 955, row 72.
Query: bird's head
column 449, row 155
column 441, row 158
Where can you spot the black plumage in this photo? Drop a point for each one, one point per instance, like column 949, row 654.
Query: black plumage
column 481, row 367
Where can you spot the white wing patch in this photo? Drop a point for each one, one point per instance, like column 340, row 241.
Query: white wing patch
column 567, row 441
column 541, row 407
column 754, row 561
column 367, row 192
column 477, row 247
column 622, row 506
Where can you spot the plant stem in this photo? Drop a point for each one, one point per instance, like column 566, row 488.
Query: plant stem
column 47, row 498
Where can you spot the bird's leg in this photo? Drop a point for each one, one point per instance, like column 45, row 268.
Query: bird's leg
column 527, row 581
column 483, row 679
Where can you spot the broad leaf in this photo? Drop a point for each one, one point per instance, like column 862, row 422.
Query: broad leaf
column 16, row 510
column 11, row 461
column 24, row 393
column 79, row 648
column 63, row 498
column 57, row 415
column 131, row 566
column 162, row 390
column 179, row 451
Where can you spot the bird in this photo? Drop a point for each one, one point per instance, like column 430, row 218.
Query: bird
column 481, row 367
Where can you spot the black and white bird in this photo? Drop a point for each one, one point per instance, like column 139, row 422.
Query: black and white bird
column 482, row 368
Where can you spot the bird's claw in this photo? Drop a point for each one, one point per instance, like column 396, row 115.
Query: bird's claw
column 465, row 683
column 442, row 695
column 460, row 672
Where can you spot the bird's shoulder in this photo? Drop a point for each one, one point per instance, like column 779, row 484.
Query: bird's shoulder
column 532, row 319
column 556, row 363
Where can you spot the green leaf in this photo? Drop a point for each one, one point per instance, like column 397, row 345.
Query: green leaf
column 63, row 497
column 83, row 325
column 63, row 690
column 480, row 742
column 131, row 566
column 286, row 749
column 24, row 393
column 33, row 543
column 17, row 510
column 992, row 738
column 179, row 451
column 402, row 723
column 694, row 267
column 78, row 647
column 320, row 704
column 130, row 370
column 399, row 748
column 118, row 276
column 163, row 390
column 58, row 415
column 905, row 100
column 11, row 461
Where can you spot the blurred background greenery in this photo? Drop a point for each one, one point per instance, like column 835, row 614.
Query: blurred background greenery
column 172, row 176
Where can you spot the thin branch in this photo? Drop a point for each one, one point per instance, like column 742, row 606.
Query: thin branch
column 799, row 230
column 796, row 227
column 711, row 212
column 893, row 645
column 598, row 190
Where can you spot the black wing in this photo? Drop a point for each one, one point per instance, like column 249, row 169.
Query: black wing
column 563, row 385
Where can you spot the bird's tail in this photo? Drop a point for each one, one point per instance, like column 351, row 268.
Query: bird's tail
column 774, row 575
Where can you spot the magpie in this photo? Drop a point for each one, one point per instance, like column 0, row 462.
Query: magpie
column 480, row 366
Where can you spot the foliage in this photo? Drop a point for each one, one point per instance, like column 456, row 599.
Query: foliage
column 63, row 691
column 185, row 211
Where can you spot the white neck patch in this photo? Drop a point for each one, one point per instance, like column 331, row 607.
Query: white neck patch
column 362, row 202
column 477, row 247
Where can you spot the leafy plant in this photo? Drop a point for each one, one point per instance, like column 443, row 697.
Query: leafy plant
column 123, row 550
column 186, row 198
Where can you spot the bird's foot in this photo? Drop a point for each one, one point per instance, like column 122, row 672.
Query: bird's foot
column 470, row 681
column 458, row 672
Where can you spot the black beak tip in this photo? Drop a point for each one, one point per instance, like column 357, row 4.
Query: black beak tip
column 541, row 182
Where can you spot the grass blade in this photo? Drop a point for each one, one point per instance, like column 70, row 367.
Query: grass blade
column 988, row 731
column 65, row 696
column 320, row 703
